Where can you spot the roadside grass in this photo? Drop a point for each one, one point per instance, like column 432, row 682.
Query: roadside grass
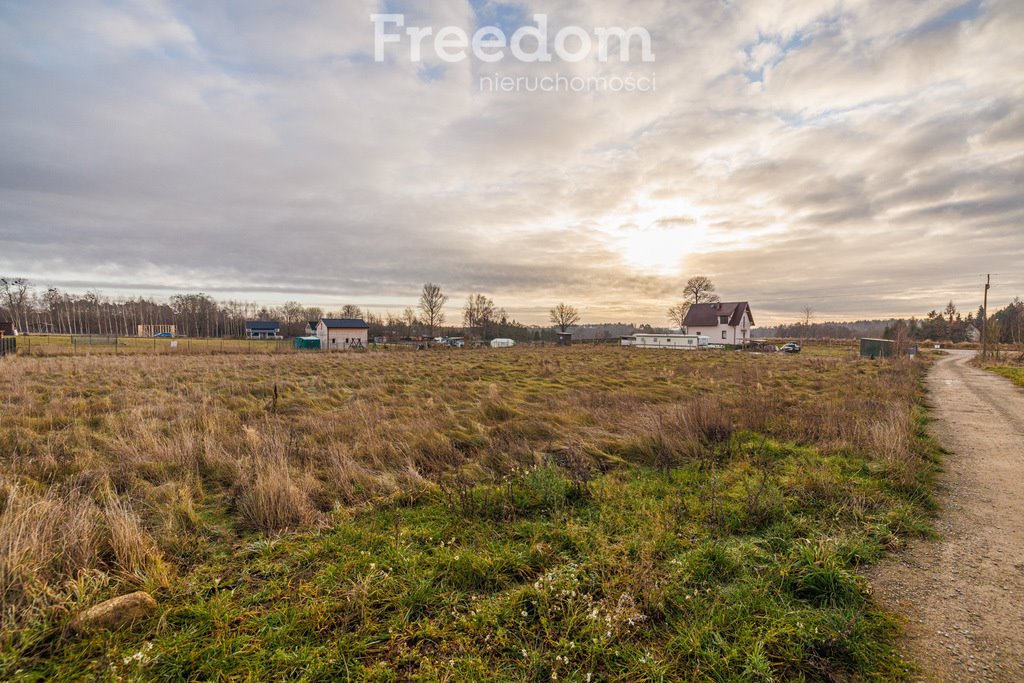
column 1014, row 373
column 1006, row 361
column 526, row 515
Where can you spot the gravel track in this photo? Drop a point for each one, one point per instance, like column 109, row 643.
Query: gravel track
column 963, row 595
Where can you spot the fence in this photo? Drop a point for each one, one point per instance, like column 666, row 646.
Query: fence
column 84, row 344
column 92, row 340
column 8, row 345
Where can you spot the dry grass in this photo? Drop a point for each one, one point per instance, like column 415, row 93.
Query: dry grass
column 118, row 465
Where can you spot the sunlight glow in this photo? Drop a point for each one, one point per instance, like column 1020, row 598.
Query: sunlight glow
column 656, row 235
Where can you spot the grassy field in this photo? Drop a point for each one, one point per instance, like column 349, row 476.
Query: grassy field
column 579, row 514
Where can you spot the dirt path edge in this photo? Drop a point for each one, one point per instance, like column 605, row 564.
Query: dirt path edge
column 962, row 596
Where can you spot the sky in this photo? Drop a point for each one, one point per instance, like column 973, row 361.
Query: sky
column 862, row 158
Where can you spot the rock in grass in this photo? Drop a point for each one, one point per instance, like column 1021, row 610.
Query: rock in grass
column 114, row 613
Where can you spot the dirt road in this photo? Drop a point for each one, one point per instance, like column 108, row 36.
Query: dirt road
column 963, row 595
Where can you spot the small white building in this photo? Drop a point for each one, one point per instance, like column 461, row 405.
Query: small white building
column 502, row 343
column 341, row 334
column 723, row 323
column 666, row 341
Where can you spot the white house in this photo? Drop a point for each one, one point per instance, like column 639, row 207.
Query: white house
column 723, row 323
column 666, row 341
column 340, row 334
column 262, row 329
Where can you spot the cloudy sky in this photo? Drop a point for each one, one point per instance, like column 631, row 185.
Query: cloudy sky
column 864, row 158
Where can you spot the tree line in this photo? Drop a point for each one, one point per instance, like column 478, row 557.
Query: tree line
column 52, row 311
column 1005, row 325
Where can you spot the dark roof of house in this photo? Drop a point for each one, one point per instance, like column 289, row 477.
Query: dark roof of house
column 706, row 315
column 345, row 324
column 312, row 324
column 262, row 325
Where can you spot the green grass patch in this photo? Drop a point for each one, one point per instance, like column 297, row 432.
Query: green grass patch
column 1014, row 373
column 634, row 576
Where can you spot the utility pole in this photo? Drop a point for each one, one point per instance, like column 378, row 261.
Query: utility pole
column 984, row 321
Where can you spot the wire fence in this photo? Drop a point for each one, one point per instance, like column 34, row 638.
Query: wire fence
column 95, row 344
column 87, row 344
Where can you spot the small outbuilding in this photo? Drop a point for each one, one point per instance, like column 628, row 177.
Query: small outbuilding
column 342, row 334
column 8, row 329
column 877, row 348
column 502, row 343
column 565, row 338
column 307, row 343
column 8, row 345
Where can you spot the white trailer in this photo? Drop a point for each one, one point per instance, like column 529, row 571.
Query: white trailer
column 670, row 341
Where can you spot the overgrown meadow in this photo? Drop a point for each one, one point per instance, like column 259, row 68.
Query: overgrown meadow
column 572, row 514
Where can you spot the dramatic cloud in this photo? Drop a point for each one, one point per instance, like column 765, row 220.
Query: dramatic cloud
column 865, row 158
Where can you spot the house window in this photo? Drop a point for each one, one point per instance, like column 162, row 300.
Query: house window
column 723, row 334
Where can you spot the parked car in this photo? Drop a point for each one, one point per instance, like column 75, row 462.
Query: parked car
column 790, row 347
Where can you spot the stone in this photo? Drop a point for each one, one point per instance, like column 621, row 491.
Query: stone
column 115, row 613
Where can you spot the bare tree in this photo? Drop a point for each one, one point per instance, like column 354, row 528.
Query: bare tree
column 564, row 316
column 410, row 319
column 393, row 324
column 700, row 290
column 806, row 313
column 432, row 302
column 15, row 292
column 351, row 311
column 677, row 314
column 478, row 313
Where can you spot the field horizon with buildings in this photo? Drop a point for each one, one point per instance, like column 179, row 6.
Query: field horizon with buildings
column 511, row 340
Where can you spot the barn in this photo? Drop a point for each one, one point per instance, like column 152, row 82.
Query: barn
column 341, row 334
